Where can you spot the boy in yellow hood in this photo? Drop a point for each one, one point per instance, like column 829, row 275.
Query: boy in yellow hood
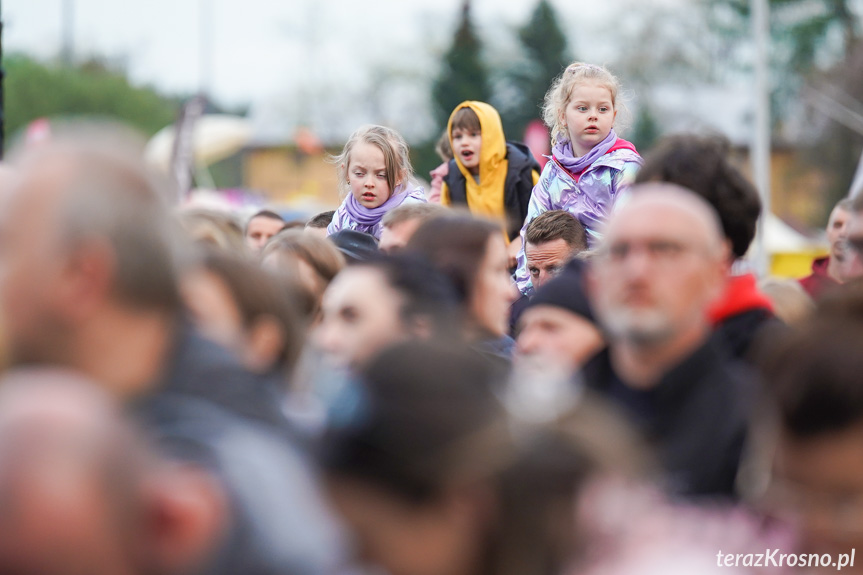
column 493, row 177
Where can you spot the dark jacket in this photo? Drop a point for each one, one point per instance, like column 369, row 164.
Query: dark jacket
column 209, row 411
column 740, row 315
column 696, row 417
column 518, row 185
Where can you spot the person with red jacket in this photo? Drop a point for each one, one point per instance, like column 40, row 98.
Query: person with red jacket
column 827, row 271
column 701, row 164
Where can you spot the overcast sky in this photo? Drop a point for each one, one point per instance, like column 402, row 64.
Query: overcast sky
column 258, row 47
column 333, row 64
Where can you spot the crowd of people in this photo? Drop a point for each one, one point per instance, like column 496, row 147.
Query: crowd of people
column 556, row 370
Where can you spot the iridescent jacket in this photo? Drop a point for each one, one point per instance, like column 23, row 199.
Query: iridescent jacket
column 589, row 198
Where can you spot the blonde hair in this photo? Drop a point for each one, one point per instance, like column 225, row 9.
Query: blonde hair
column 393, row 146
column 560, row 92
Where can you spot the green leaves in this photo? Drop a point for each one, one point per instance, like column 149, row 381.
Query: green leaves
column 37, row 89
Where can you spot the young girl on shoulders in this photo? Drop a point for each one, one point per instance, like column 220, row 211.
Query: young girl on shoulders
column 590, row 165
column 375, row 170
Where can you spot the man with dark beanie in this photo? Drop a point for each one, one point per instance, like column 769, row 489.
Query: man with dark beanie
column 557, row 325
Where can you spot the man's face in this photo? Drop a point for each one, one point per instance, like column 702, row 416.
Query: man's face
column 657, row 273
column 360, row 317
column 851, row 260
column 396, row 237
column 818, row 485
column 550, row 333
column 31, row 262
column 260, row 230
column 545, row 260
column 837, row 227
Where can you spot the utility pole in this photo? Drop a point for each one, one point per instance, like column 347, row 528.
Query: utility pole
column 761, row 145
column 205, row 22
column 68, row 50
column 2, row 88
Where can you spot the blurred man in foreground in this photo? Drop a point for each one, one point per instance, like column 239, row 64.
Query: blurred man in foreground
column 662, row 262
column 84, row 493
column 89, row 274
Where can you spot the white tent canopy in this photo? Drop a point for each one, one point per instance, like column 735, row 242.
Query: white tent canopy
column 216, row 137
column 779, row 237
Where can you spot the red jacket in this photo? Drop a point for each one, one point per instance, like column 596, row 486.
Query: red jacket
column 819, row 281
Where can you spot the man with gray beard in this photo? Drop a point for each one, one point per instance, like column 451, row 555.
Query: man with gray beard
column 662, row 262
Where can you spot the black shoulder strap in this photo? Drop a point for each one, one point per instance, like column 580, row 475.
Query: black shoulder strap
column 456, row 183
column 518, row 185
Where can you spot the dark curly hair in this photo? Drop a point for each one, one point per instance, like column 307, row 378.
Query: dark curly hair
column 701, row 164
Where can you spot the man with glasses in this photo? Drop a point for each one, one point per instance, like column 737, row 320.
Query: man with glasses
column 662, row 262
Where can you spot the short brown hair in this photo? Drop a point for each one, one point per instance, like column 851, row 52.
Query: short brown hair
column 213, row 228
column 256, row 293
column 457, row 246
column 557, row 225
column 443, row 148
column 466, row 119
column 414, row 211
column 321, row 220
column 321, row 255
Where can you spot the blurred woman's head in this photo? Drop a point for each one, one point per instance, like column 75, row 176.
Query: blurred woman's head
column 472, row 253
column 213, row 229
column 246, row 310
column 313, row 261
column 379, row 302
column 421, row 462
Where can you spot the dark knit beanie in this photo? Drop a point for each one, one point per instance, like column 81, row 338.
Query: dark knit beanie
column 566, row 291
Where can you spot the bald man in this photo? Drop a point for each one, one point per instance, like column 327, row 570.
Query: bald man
column 86, row 488
column 662, row 263
column 90, row 281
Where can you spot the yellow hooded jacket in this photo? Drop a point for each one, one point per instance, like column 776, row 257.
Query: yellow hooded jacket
column 486, row 196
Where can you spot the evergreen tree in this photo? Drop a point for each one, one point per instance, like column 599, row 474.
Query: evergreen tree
column 646, row 130
column 463, row 75
column 546, row 55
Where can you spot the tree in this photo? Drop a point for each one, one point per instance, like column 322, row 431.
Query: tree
column 463, row 75
column 545, row 47
column 814, row 43
column 803, row 38
column 646, row 131
column 36, row 90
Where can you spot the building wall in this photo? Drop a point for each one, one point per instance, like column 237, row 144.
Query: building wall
column 798, row 193
column 288, row 176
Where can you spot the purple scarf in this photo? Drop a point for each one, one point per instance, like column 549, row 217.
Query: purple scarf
column 371, row 216
column 562, row 152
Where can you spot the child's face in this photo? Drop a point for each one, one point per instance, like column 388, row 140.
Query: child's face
column 465, row 146
column 367, row 175
column 588, row 116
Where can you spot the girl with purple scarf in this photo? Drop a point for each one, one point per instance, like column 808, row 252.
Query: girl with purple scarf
column 375, row 170
column 590, row 165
